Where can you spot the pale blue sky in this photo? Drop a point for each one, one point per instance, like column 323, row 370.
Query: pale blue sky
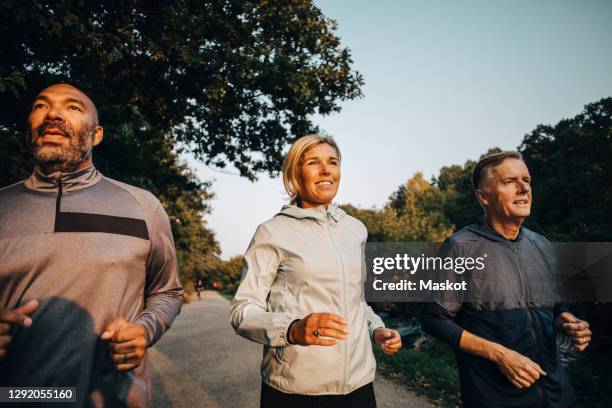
column 444, row 81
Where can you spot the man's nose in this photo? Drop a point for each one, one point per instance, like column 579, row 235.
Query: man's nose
column 524, row 187
column 54, row 113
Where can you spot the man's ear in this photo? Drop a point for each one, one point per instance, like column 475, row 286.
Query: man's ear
column 482, row 197
column 98, row 135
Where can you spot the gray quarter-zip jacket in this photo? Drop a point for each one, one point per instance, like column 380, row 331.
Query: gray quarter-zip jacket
column 90, row 249
column 306, row 261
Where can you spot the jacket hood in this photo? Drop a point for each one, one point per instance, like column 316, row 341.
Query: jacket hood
column 319, row 214
column 484, row 230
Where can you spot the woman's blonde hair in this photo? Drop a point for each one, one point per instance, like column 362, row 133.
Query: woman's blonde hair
column 293, row 160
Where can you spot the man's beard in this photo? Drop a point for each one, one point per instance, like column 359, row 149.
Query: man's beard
column 51, row 157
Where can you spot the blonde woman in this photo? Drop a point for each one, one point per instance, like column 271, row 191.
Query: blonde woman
column 301, row 292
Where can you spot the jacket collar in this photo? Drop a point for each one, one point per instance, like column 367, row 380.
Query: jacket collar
column 486, row 231
column 320, row 214
column 70, row 181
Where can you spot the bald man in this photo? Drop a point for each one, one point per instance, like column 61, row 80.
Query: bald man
column 88, row 278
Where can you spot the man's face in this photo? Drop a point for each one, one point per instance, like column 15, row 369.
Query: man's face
column 506, row 193
column 62, row 128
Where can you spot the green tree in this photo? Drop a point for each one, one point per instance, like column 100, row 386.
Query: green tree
column 414, row 213
column 571, row 167
column 230, row 81
column 226, row 273
column 460, row 205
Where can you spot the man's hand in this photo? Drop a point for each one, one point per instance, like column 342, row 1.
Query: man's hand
column 389, row 340
column 521, row 371
column 9, row 317
column 127, row 343
column 311, row 330
column 577, row 329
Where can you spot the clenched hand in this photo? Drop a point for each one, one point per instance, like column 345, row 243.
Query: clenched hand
column 127, row 343
column 577, row 329
column 389, row 340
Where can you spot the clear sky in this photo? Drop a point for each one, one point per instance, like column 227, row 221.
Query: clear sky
column 444, row 81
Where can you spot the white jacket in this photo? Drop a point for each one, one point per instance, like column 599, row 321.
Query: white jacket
column 306, row 261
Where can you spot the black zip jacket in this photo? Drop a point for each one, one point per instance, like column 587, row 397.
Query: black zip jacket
column 512, row 307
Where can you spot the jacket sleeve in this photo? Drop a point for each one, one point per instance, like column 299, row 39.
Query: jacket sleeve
column 438, row 318
column 163, row 291
column 248, row 311
column 374, row 321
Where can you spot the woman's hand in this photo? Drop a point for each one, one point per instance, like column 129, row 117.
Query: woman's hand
column 311, row 330
column 389, row 340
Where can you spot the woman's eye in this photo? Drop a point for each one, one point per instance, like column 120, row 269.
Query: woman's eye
column 39, row 105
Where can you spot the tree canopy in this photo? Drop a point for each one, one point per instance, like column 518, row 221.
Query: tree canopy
column 231, row 81
column 571, row 168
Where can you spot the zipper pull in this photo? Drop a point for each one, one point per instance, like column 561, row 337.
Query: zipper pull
column 330, row 218
column 58, row 180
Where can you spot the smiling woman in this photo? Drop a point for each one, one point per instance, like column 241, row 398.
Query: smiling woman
column 311, row 171
column 302, row 286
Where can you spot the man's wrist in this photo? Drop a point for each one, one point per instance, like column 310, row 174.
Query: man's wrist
column 495, row 352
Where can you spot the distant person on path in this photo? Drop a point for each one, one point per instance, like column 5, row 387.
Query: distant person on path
column 505, row 344
column 88, row 277
column 301, row 293
column 199, row 287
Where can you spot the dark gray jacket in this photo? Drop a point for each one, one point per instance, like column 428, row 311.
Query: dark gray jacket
column 512, row 304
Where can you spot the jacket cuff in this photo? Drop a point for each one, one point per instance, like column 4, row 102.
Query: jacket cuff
column 289, row 328
column 280, row 337
column 149, row 327
column 378, row 326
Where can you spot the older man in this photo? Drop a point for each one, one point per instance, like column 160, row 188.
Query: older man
column 504, row 337
column 88, row 278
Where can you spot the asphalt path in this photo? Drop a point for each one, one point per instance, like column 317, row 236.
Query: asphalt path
column 201, row 362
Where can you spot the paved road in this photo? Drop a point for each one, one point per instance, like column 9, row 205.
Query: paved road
column 200, row 362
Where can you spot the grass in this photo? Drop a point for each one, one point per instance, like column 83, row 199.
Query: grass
column 432, row 373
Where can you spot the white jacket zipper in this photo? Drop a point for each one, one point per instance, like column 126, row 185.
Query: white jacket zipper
column 344, row 343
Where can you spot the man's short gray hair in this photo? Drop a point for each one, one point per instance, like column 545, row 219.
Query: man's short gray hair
column 484, row 166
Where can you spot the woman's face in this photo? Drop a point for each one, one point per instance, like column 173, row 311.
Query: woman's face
column 320, row 176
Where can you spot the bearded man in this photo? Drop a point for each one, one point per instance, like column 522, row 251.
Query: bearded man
column 88, row 278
